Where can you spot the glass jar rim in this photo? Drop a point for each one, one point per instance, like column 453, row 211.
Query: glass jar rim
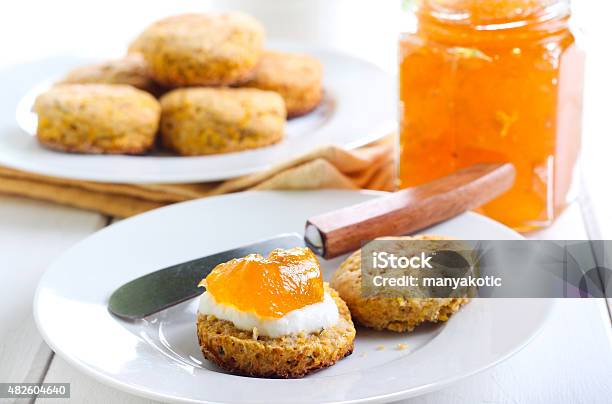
column 434, row 10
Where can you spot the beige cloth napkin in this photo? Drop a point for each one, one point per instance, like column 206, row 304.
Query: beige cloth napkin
column 370, row 167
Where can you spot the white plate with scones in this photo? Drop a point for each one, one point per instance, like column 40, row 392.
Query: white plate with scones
column 161, row 358
column 197, row 97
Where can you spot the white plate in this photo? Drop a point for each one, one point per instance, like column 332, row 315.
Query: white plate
column 160, row 358
column 358, row 107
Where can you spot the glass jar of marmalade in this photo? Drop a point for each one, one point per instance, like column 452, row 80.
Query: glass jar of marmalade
column 493, row 81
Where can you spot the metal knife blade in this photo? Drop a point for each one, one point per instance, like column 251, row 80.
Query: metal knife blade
column 175, row 284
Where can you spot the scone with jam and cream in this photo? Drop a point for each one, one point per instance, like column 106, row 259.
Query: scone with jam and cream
column 273, row 316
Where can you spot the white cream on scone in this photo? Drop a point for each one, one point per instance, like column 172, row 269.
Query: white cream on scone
column 308, row 319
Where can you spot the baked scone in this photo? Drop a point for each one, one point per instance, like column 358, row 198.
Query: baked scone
column 273, row 316
column 385, row 313
column 131, row 70
column 296, row 77
column 97, row 118
column 199, row 121
column 290, row 356
column 201, row 49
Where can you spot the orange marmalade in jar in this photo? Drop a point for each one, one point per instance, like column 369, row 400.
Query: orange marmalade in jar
column 493, row 81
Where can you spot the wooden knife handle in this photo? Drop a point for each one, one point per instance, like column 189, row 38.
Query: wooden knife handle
column 406, row 211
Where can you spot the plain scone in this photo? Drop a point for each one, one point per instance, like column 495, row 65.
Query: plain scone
column 97, row 118
column 201, row 49
column 199, row 121
column 395, row 314
column 131, row 70
column 291, row 356
column 296, row 77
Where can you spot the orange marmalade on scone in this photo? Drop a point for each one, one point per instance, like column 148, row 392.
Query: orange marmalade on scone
column 278, row 295
column 493, row 81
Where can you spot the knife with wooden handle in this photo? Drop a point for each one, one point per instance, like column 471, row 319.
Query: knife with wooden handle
column 328, row 235
column 335, row 233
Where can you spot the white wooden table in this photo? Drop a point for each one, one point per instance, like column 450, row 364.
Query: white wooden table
column 570, row 361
